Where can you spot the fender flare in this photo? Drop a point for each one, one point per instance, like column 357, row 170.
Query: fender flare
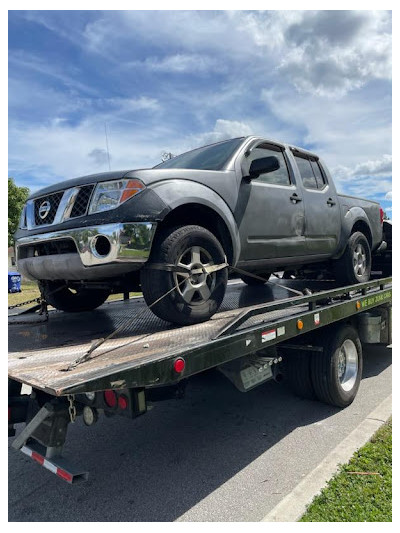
column 351, row 217
column 177, row 192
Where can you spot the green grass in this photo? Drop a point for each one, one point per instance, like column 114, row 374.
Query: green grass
column 355, row 497
column 30, row 290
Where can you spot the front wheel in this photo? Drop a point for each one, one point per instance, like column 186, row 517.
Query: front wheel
column 58, row 295
column 186, row 294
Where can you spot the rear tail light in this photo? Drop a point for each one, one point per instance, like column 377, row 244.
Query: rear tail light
column 381, row 213
column 110, row 398
column 123, row 402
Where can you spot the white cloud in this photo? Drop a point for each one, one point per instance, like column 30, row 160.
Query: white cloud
column 184, row 63
column 388, row 195
column 223, row 129
column 378, row 167
column 326, row 53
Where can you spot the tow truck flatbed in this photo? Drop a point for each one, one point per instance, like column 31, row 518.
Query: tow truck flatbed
column 142, row 354
column 308, row 331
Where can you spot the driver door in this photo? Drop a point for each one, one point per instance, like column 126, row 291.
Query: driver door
column 270, row 211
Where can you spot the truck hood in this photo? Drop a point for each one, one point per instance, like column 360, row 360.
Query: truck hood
column 223, row 182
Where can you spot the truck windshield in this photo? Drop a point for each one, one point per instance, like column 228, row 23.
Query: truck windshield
column 212, row 157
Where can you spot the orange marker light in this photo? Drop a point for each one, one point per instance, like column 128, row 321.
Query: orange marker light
column 358, row 305
column 300, row 324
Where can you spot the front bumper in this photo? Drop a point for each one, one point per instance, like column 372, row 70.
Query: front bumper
column 124, row 247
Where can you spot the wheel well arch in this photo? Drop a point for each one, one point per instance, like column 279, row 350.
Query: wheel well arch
column 204, row 216
column 363, row 227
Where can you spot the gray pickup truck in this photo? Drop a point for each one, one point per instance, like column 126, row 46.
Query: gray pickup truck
column 255, row 204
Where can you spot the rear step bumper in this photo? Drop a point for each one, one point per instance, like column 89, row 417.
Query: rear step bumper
column 58, row 465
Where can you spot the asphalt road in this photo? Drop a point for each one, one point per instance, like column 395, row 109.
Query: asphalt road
column 217, row 455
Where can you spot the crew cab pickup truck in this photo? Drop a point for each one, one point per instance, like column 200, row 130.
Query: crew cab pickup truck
column 248, row 203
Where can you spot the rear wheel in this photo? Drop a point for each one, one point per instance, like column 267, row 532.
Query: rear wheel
column 194, row 295
column 355, row 264
column 58, row 295
column 297, row 372
column 249, row 280
column 336, row 372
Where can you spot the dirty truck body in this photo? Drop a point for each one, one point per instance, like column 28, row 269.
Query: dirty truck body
column 287, row 219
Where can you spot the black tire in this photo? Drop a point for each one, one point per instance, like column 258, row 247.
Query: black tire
column 346, row 267
column 254, row 281
column 170, row 247
column 65, row 299
column 329, row 387
column 297, row 372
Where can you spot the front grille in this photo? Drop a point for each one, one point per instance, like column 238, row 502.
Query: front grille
column 82, row 201
column 46, row 208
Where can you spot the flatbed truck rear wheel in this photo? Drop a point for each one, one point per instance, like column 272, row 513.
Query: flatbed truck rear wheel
column 336, row 371
column 297, row 372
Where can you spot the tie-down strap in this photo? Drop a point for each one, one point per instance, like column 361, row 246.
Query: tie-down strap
column 180, row 269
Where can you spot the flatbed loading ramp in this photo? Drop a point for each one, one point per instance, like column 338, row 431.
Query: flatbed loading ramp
column 149, row 355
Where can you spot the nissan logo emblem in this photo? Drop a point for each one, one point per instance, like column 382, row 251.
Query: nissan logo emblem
column 44, row 209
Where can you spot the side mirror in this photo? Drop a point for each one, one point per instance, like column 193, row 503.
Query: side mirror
column 264, row 165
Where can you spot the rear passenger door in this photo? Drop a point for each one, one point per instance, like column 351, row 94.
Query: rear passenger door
column 322, row 213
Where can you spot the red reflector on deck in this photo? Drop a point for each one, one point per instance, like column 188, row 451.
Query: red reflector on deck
column 179, row 365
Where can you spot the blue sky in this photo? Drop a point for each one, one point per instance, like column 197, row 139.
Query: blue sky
column 173, row 80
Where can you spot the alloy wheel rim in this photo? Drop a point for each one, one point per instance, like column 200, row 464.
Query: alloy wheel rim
column 196, row 285
column 359, row 260
column 347, row 368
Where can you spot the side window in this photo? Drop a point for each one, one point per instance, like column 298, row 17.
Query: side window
column 278, row 177
column 306, row 172
column 321, row 182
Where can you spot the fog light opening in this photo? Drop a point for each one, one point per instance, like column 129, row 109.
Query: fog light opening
column 101, row 246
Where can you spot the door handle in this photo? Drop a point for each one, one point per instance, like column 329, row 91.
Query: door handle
column 294, row 198
column 330, row 202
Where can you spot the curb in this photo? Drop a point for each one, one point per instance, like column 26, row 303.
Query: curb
column 293, row 506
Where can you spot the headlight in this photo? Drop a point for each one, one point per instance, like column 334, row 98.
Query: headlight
column 111, row 194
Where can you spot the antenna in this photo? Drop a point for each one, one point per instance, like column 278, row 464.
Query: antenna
column 108, row 153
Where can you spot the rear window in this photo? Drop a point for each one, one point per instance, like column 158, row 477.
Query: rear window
column 306, row 173
column 318, row 174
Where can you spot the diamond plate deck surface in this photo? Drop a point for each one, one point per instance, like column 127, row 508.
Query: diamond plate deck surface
column 40, row 352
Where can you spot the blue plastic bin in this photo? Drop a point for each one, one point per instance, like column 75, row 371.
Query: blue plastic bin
column 14, row 282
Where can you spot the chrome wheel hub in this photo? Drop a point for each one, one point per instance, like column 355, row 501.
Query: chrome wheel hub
column 347, row 368
column 359, row 260
column 196, row 284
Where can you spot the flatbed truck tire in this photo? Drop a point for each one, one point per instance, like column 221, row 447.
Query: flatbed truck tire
column 336, row 371
column 297, row 372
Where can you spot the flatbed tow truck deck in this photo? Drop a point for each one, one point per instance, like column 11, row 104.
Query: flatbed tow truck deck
column 149, row 359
